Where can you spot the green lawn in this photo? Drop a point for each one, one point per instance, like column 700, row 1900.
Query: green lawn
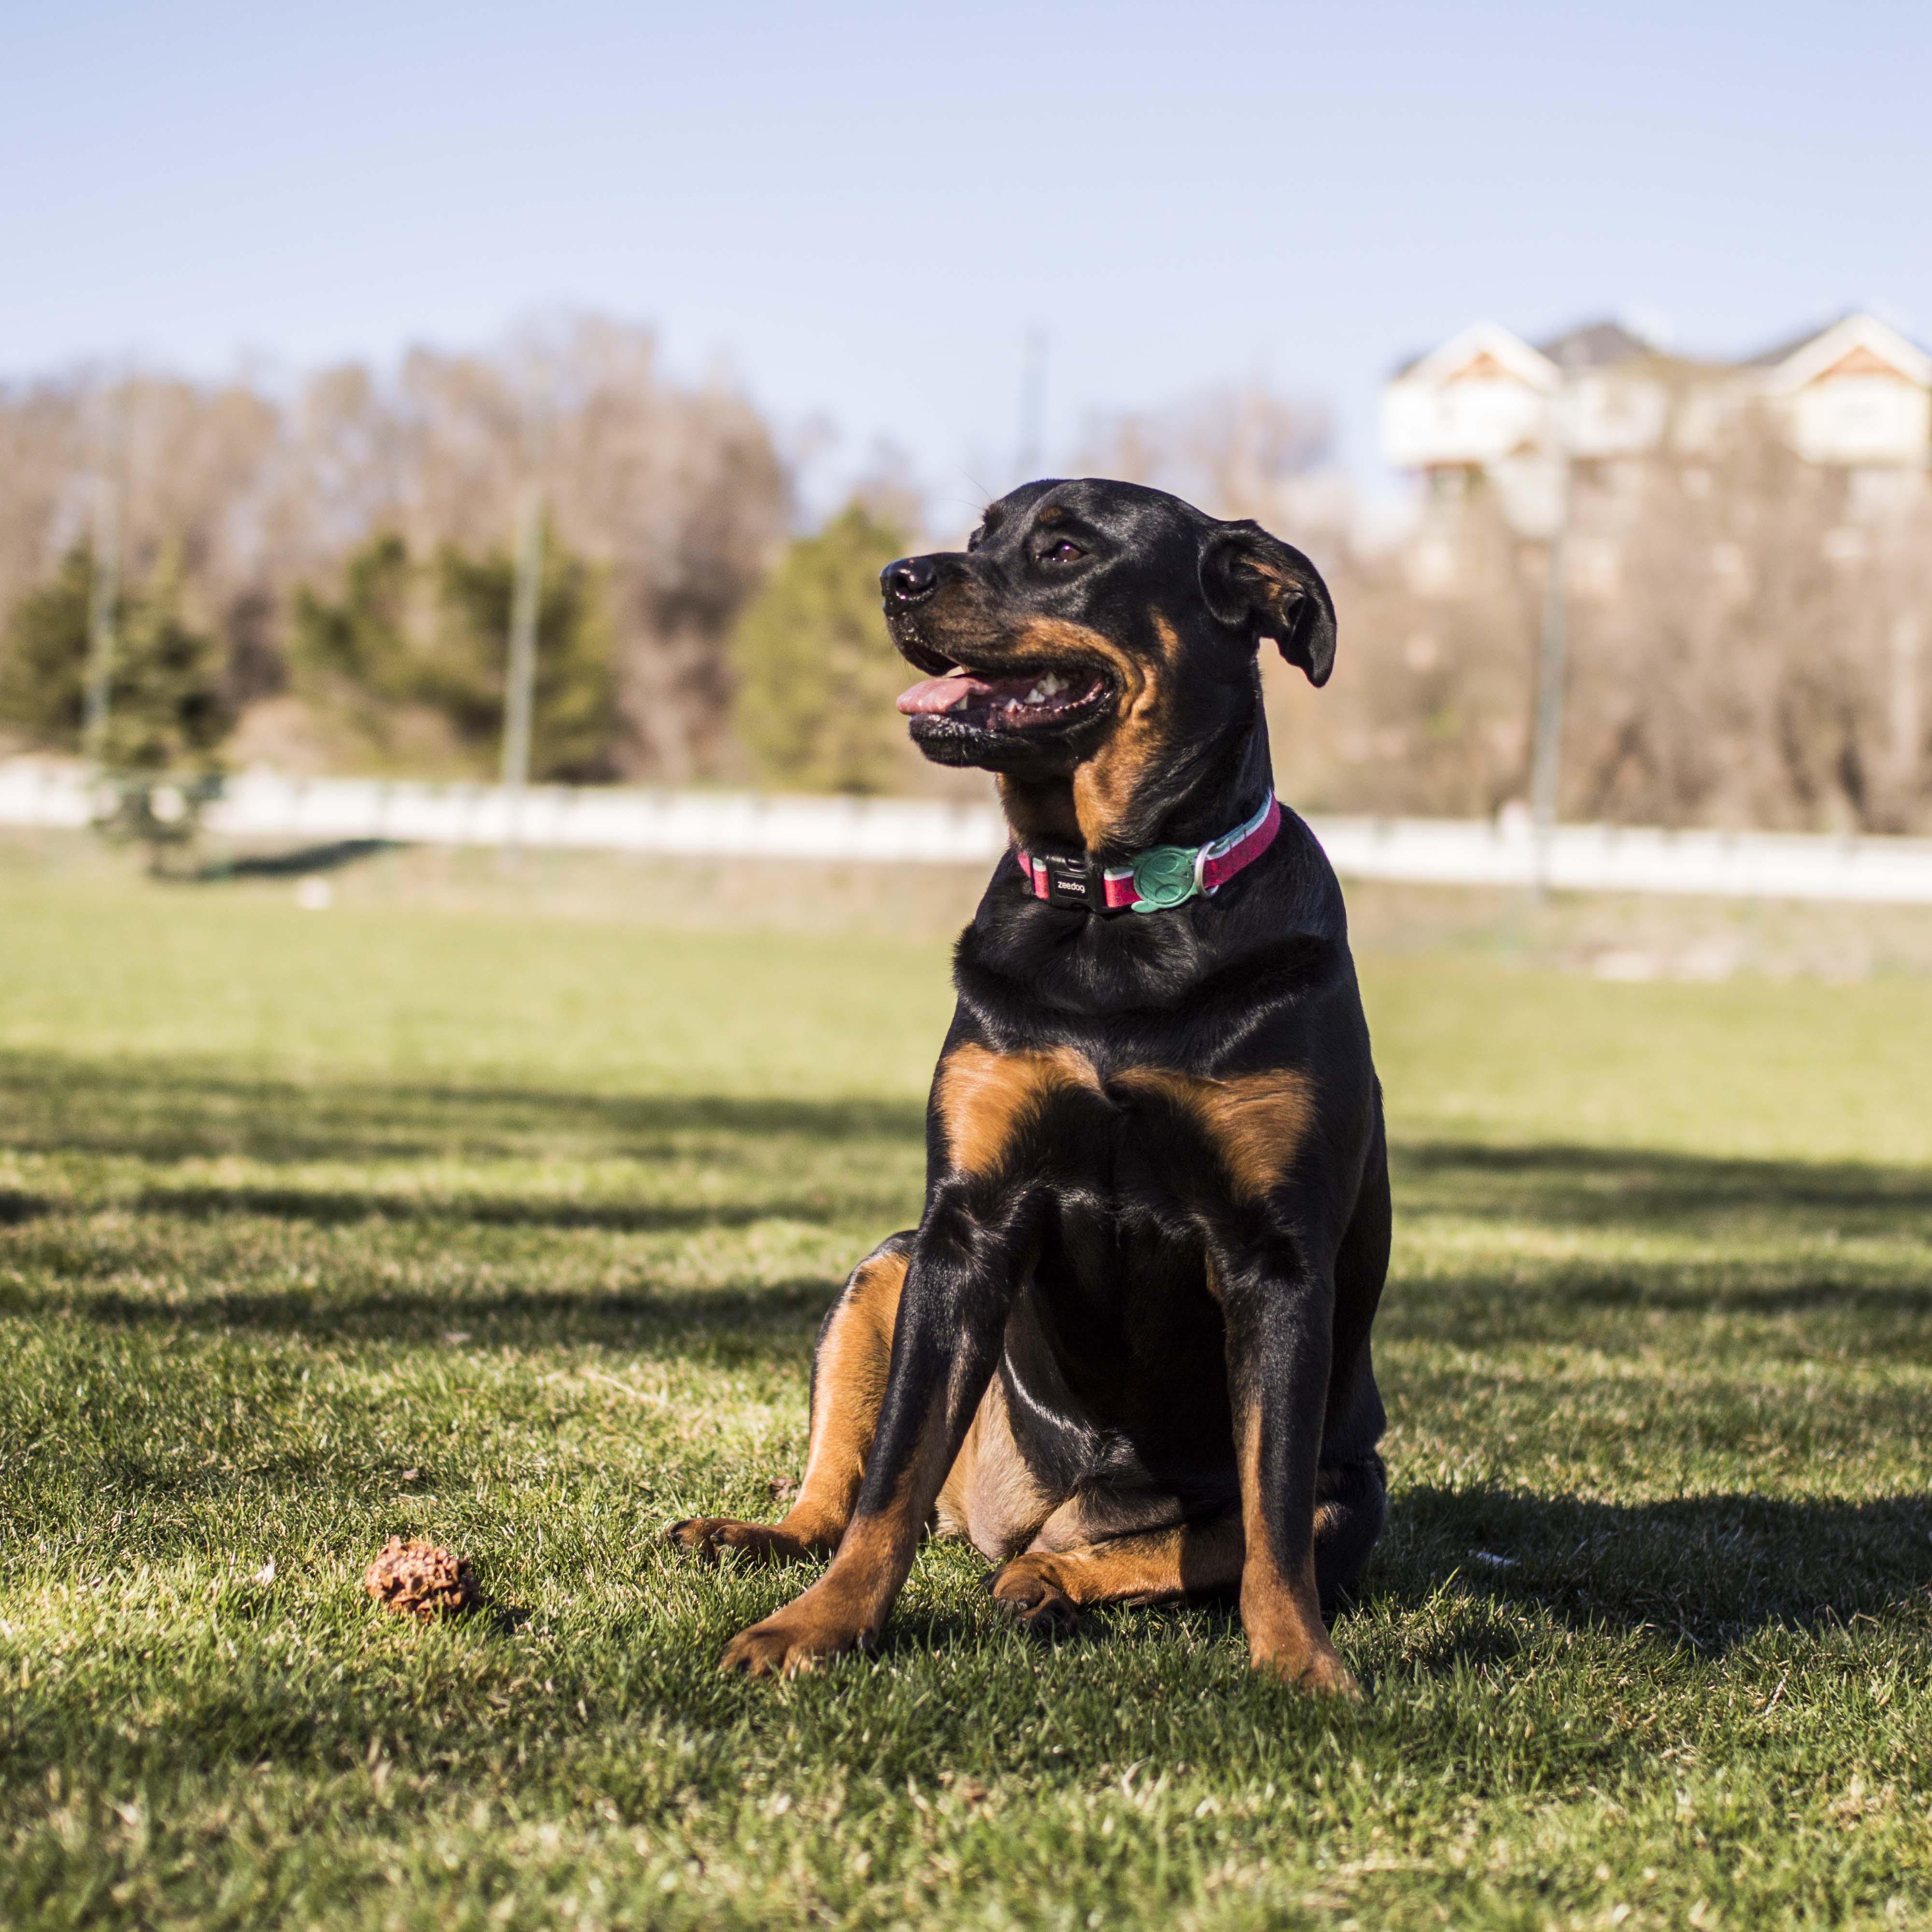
column 513, row 1231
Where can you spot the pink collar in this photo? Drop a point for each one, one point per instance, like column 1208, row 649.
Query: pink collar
column 1161, row 877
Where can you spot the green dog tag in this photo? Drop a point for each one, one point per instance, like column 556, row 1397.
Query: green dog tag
column 1163, row 877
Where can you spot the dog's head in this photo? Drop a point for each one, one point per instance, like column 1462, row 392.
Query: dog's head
column 1098, row 638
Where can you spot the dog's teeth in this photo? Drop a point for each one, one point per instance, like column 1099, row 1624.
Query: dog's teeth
column 959, row 703
column 1037, row 695
column 1052, row 685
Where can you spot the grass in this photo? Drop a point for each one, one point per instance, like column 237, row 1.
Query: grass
column 398, row 1218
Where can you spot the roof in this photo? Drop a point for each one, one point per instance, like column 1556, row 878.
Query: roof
column 1596, row 345
column 1500, row 352
column 1784, row 351
column 1854, row 344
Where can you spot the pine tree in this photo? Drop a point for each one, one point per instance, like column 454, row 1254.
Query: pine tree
column 352, row 655
column 166, row 709
column 43, row 659
column 817, row 672
column 403, row 636
column 574, row 702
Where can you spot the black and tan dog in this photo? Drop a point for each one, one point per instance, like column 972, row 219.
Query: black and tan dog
column 1125, row 1352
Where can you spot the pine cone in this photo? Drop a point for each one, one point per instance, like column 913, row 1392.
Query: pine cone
column 422, row 1580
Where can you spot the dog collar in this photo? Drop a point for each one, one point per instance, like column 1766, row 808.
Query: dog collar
column 1161, row 877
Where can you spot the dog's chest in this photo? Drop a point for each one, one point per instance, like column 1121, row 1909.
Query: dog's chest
column 1139, row 1132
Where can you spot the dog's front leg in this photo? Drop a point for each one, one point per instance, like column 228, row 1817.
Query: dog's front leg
column 1279, row 1314
column 952, row 1312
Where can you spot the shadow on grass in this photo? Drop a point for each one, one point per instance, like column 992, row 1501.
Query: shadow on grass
column 349, row 1206
column 1695, row 1291
column 773, row 1321
column 180, row 1110
column 1843, row 1311
column 327, row 858
column 1605, row 1187
column 1707, row 1570
column 17, row 1209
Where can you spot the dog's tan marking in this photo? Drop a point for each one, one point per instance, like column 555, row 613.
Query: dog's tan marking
column 1105, row 786
column 1038, row 808
column 1281, row 1607
column 986, row 1099
column 847, row 1608
column 1279, row 588
column 1156, row 1566
column 848, row 1386
column 1256, row 1122
column 1096, row 805
column 990, row 1495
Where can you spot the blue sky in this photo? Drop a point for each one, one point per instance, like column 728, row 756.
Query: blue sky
column 862, row 210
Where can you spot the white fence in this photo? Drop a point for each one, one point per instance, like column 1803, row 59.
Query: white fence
column 1468, row 852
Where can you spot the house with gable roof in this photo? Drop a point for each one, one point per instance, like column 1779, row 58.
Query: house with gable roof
column 1484, row 398
column 1857, row 393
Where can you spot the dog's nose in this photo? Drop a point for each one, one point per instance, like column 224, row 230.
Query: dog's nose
column 909, row 580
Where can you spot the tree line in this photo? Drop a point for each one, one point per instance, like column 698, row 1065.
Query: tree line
column 339, row 552
column 1748, row 633
column 321, row 575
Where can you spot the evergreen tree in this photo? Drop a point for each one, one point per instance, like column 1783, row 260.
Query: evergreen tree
column 353, row 656
column 438, row 639
column 817, row 672
column 43, row 659
column 166, row 709
column 574, row 702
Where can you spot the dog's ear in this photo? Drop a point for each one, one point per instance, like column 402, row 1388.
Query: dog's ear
column 1265, row 588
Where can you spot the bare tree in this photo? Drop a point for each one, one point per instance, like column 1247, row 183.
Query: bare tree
column 675, row 491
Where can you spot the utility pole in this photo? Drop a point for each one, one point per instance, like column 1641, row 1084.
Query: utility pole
column 526, row 598
column 1907, row 727
column 104, row 591
column 103, row 594
column 1545, row 770
column 521, row 680
column 1032, row 407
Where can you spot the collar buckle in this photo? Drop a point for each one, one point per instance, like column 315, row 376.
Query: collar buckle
column 1161, row 877
column 1070, row 882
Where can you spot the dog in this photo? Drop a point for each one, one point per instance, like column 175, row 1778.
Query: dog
column 1126, row 1352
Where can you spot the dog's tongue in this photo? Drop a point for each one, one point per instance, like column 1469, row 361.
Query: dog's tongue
column 958, row 687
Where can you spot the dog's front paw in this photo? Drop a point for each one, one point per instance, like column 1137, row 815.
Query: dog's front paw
column 1315, row 1668
column 790, row 1642
column 706, row 1536
column 1031, row 1589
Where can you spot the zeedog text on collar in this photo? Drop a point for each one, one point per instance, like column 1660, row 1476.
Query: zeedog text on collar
column 1161, row 877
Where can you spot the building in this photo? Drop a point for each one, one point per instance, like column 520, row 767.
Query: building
column 1856, row 393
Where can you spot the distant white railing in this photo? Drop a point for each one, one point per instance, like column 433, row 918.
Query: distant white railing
column 1437, row 851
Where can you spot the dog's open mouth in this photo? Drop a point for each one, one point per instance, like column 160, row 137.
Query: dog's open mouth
column 1017, row 702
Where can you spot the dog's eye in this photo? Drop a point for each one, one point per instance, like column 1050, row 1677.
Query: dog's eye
column 1061, row 551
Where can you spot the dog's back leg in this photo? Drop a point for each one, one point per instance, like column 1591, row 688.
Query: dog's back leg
column 1350, row 1505
column 1044, row 1587
column 1351, row 1488
column 848, row 1383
